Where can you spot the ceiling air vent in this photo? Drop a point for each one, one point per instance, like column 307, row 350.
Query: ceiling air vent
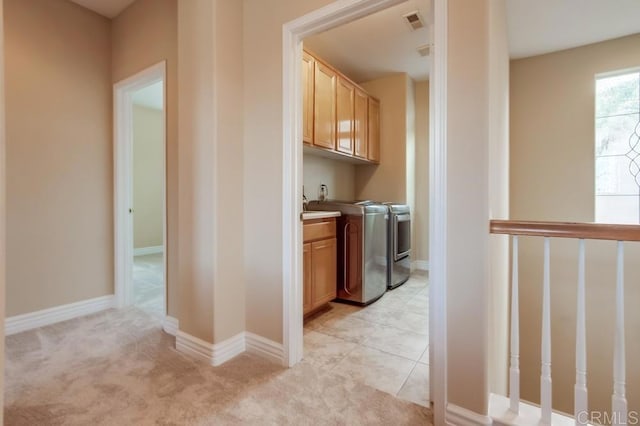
column 414, row 20
column 424, row 50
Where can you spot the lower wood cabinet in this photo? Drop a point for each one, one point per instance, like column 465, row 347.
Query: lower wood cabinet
column 307, row 305
column 320, row 263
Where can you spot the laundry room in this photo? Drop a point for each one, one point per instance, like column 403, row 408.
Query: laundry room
column 365, row 222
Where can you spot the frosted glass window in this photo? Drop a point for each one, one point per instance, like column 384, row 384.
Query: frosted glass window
column 617, row 149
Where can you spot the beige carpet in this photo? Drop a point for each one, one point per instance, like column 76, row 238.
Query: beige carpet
column 119, row 368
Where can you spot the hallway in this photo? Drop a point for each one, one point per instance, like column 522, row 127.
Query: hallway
column 119, row 368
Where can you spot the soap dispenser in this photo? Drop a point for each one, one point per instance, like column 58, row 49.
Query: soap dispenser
column 324, row 193
column 305, row 202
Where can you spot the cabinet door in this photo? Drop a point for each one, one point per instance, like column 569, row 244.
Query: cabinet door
column 324, row 258
column 344, row 116
column 360, row 123
column 308, row 68
column 324, row 107
column 374, row 130
column 307, row 282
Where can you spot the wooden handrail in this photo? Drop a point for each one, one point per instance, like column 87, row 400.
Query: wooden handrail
column 591, row 231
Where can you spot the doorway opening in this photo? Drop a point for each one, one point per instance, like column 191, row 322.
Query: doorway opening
column 354, row 325
column 140, row 191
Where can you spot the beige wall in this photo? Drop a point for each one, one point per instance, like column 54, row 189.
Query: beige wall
column 410, row 154
column 552, row 178
column 388, row 180
column 58, row 98
column 229, row 294
column 498, row 195
column 263, row 160
column 3, row 206
column 475, row 109
column 195, row 66
column 339, row 176
column 142, row 35
column 212, row 291
column 420, row 219
column 148, row 162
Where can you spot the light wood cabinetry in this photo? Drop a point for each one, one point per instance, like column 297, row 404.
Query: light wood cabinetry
column 340, row 120
column 324, row 107
column 320, row 263
column 323, row 275
column 374, row 131
column 360, row 124
column 306, row 305
column 345, row 115
column 308, row 84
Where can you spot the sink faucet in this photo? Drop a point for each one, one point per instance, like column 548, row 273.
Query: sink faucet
column 305, row 202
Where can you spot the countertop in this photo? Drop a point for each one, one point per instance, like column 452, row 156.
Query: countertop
column 319, row 215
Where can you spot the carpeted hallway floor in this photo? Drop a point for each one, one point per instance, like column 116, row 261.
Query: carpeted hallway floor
column 120, row 368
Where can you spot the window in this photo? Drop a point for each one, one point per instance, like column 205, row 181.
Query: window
column 618, row 148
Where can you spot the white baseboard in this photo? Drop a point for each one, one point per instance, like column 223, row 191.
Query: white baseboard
column 224, row 351
column 265, row 348
column 228, row 349
column 170, row 325
column 24, row 322
column 458, row 416
column 529, row 414
column 420, row 265
column 147, row 250
column 193, row 346
column 214, row 354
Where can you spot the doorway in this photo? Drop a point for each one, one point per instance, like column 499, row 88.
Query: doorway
column 374, row 327
column 140, row 191
column 294, row 32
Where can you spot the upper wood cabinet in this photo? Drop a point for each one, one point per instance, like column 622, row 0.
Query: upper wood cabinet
column 308, row 84
column 360, row 124
column 374, row 130
column 345, row 116
column 324, row 108
column 338, row 117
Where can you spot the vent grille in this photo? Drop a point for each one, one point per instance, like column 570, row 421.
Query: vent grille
column 414, row 20
column 424, row 50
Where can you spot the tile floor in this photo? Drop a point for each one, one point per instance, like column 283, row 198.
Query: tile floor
column 148, row 284
column 384, row 345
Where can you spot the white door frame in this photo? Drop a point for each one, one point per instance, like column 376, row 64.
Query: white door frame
column 438, row 211
column 123, row 178
column 335, row 14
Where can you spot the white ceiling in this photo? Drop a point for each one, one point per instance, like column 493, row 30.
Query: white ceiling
column 107, row 8
column 382, row 43
column 377, row 45
column 150, row 96
column 543, row 26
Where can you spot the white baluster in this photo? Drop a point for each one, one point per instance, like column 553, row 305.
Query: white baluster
column 545, row 377
column 514, row 370
column 580, row 389
column 619, row 400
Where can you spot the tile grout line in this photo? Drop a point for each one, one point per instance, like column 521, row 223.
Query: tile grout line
column 406, row 380
column 363, row 344
column 391, row 353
